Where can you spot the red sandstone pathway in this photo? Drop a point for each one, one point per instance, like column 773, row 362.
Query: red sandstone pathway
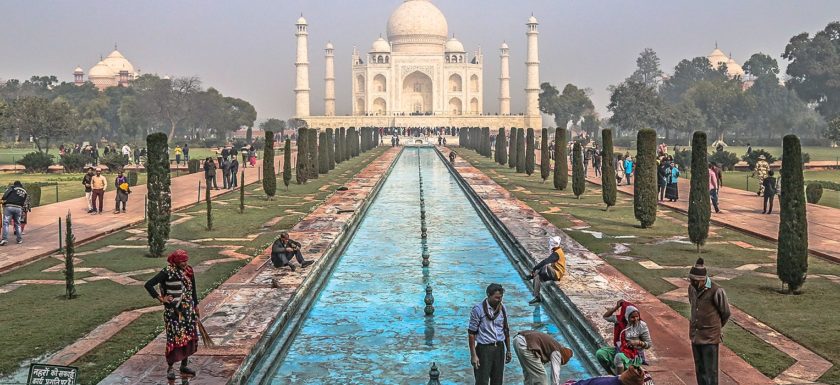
column 741, row 210
column 42, row 236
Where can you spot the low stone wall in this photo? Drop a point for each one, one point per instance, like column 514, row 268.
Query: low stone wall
column 492, row 121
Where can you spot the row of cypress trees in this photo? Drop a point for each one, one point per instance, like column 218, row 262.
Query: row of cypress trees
column 477, row 139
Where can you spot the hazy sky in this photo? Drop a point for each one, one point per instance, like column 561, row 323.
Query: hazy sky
column 246, row 48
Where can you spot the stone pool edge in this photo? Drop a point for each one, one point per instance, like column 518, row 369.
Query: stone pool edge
column 591, row 285
column 239, row 313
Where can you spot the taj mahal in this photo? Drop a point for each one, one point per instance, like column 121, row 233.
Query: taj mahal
column 419, row 76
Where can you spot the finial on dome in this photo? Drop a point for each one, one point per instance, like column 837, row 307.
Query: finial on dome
column 716, row 44
column 115, row 46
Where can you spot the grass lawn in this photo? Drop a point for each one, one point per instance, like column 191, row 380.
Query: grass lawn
column 44, row 322
column 802, row 318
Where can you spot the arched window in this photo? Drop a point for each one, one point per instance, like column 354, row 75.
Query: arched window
column 474, row 83
column 380, row 84
column 455, row 83
column 360, row 84
column 386, row 59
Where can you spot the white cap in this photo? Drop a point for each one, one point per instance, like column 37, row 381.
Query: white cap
column 554, row 242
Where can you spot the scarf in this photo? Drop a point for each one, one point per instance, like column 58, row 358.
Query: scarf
column 500, row 310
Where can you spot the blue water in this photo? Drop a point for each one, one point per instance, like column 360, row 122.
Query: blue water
column 368, row 324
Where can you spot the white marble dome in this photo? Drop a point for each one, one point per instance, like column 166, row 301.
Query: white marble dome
column 417, row 26
column 118, row 63
column 380, row 45
column 453, row 45
column 101, row 70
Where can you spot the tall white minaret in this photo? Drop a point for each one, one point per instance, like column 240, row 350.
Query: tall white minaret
column 532, row 84
column 329, row 81
column 504, row 81
column 302, row 66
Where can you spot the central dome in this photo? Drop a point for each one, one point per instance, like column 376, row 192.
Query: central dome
column 417, row 26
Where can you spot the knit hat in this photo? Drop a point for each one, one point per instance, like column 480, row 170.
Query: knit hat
column 698, row 271
column 554, row 242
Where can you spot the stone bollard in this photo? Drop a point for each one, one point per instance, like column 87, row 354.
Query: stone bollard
column 425, row 258
column 429, row 300
column 423, row 214
column 434, row 375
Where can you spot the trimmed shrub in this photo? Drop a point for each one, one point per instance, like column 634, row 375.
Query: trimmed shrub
column 242, row 192
column 699, row 205
column 74, row 162
column 578, row 176
column 331, row 149
column 530, row 162
column 813, row 193
column 69, row 251
column 116, row 161
column 512, row 148
column 323, row 157
column 34, row 192
column 520, row 150
column 193, row 166
column 486, row 141
column 501, row 147
column 287, row 163
column 752, row 158
column 645, row 186
column 301, row 174
column 608, row 181
column 36, row 162
column 725, row 159
column 561, row 160
column 208, row 200
column 160, row 200
column 545, row 156
column 312, row 153
column 132, row 178
column 792, row 262
column 269, row 179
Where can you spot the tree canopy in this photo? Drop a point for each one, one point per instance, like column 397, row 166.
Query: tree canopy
column 568, row 106
column 814, row 68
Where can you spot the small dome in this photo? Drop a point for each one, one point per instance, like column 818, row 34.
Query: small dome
column 734, row 69
column 380, row 45
column 716, row 57
column 532, row 20
column 78, row 70
column 505, row 46
column 101, row 70
column 453, row 45
column 118, row 62
column 301, row 20
column 329, row 45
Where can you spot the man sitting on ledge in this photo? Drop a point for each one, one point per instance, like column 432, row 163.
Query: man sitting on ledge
column 282, row 251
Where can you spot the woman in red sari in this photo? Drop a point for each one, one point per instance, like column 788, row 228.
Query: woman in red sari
column 180, row 302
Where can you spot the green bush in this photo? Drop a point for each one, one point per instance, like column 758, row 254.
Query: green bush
column 132, row 178
column 116, row 161
column 645, row 191
column 813, row 193
column 36, row 162
column 725, row 159
column 792, row 261
column 699, row 205
column 74, row 162
column 827, row 184
column 561, row 161
column 578, row 177
column 193, row 166
column 683, row 159
column 752, row 158
column 806, row 158
column 34, row 191
column 608, row 181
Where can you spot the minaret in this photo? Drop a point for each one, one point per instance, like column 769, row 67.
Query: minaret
column 504, row 81
column 329, row 81
column 532, row 84
column 302, row 66
column 78, row 76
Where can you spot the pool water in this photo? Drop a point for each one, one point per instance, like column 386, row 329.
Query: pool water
column 367, row 325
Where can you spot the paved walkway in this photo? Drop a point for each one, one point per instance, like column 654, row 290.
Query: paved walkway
column 41, row 237
column 741, row 210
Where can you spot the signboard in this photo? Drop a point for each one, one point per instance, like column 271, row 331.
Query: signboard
column 44, row 374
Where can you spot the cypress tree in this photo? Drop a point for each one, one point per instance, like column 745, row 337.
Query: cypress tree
column 699, row 206
column 645, row 187
column 578, row 177
column 561, row 159
column 608, row 182
column 357, row 144
column 330, row 149
column 69, row 251
column 496, row 150
column 501, row 144
column 160, row 198
column 375, row 138
column 312, row 153
column 792, row 262
column 287, row 164
column 485, row 134
column 512, row 155
column 323, row 162
column 208, row 200
column 269, row 180
column 339, row 145
column 545, row 156
column 520, row 150
column 530, row 161
column 242, row 192
column 349, row 143
column 301, row 173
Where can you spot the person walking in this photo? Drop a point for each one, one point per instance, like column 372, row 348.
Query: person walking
column 672, row 191
column 552, row 268
column 86, row 181
column 628, row 169
column 596, row 161
column 714, row 187
column 98, row 183
column 210, row 173
column 126, row 152
column 631, row 337
column 225, row 165
column 234, row 171
column 587, row 158
column 536, row 349
column 178, row 153
column 761, row 171
column 180, row 311
column 662, row 176
column 709, row 313
column 489, row 338
column 14, row 202
column 252, row 156
column 121, row 184
column 282, row 251
column 769, row 189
